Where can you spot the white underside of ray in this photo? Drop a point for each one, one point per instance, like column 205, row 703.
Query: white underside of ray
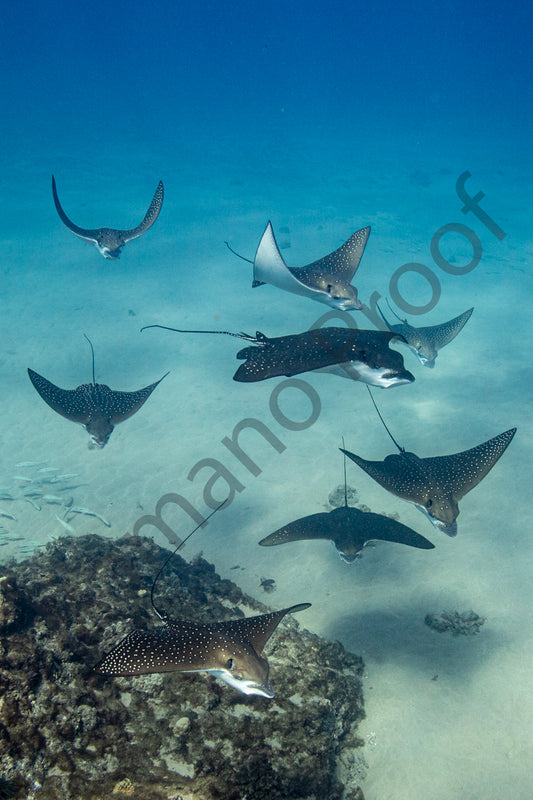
column 426, row 362
column 244, row 686
column 450, row 528
column 359, row 371
column 85, row 238
column 269, row 267
column 102, row 248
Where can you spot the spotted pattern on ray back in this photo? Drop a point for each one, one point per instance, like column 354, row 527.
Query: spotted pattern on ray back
column 94, row 405
column 427, row 341
column 181, row 646
column 315, row 349
column 438, row 483
column 82, row 403
column 342, row 263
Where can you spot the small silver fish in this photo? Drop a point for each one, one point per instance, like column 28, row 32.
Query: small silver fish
column 48, row 469
column 25, row 464
column 52, row 498
column 88, row 513
column 66, row 526
column 6, row 515
column 33, row 503
column 23, row 478
column 6, row 496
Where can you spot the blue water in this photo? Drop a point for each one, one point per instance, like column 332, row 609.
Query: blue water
column 322, row 117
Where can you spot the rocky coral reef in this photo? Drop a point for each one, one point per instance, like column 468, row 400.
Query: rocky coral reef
column 67, row 732
column 466, row 624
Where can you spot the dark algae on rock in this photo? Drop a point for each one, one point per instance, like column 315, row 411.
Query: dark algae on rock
column 68, row 733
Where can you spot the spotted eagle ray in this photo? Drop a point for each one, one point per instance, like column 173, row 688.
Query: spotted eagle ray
column 348, row 352
column 327, row 280
column 349, row 528
column 435, row 485
column 93, row 405
column 229, row 650
column 110, row 241
column 426, row 342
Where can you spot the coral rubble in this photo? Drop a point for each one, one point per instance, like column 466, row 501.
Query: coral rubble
column 466, row 624
column 337, row 497
column 68, row 733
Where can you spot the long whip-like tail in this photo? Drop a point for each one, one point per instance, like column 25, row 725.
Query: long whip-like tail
column 235, row 253
column 181, row 544
column 92, row 351
column 401, row 449
column 240, row 335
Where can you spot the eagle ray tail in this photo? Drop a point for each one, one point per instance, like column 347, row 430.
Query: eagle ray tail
column 249, row 260
column 181, row 544
column 401, row 449
column 393, row 311
column 345, row 484
column 92, row 352
column 240, row 335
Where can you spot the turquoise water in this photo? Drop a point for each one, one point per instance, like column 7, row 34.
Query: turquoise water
column 323, row 118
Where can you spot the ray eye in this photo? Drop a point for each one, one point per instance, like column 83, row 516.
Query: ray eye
column 429, row 503
column 229, row 663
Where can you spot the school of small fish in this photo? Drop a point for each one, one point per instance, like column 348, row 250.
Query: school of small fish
column 35, row 489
